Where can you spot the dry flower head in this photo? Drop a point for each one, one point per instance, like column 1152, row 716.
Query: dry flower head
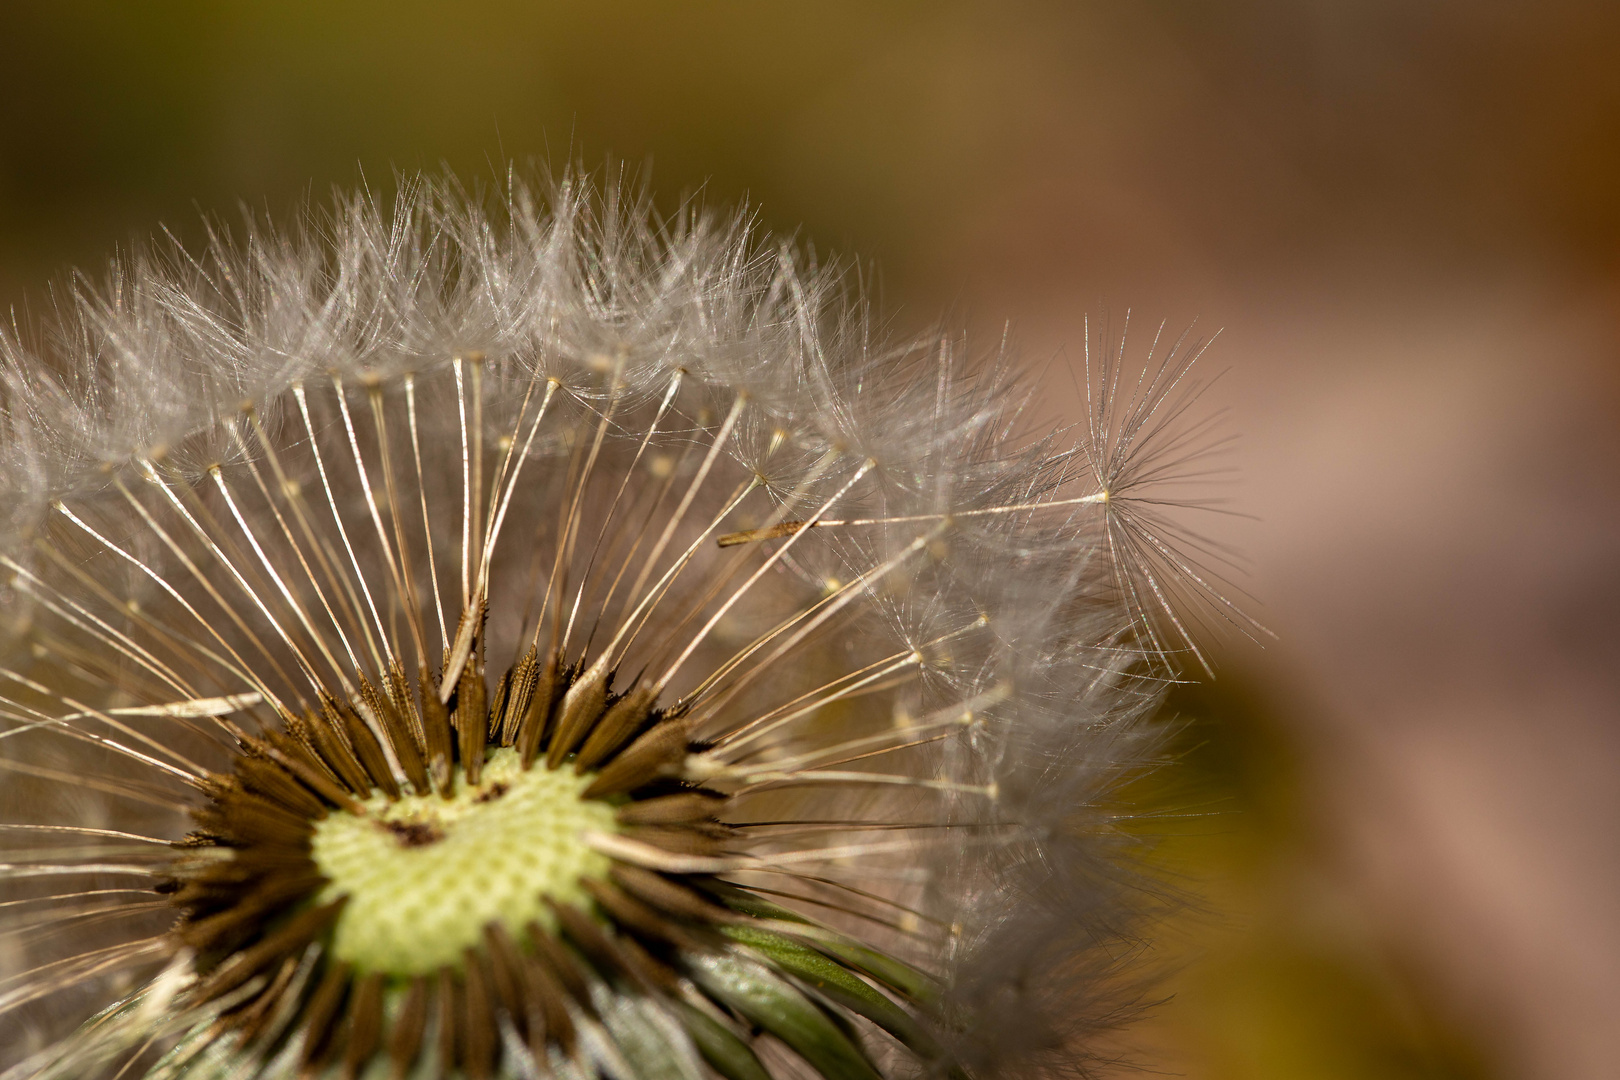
column 528, row 636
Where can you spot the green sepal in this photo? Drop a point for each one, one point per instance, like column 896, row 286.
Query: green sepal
column 769, row 1002
column 650, row 1040
column 750, row 904
column 840, row 985
column 726, row 1054
column 897, row 975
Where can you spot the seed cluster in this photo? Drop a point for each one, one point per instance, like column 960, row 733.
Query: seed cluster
column 286, row 853
column 582, row 651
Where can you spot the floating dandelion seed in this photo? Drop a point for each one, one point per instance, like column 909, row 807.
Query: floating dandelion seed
column 557, row 641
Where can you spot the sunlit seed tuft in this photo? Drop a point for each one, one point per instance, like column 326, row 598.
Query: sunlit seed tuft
column 522, row 636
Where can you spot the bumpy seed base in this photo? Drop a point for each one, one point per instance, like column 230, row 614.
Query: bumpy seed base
column 425, row 874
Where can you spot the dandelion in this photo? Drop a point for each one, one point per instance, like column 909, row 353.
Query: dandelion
column 533, row 637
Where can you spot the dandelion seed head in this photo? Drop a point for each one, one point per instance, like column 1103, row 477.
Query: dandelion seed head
column 510, row 633
column 425, row 874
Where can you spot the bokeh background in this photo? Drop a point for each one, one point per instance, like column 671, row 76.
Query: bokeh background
column 1403, row 215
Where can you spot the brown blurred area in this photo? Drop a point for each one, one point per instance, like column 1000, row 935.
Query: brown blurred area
column 1404, row 216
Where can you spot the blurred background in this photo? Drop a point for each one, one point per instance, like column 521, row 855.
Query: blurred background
column 1404, row 217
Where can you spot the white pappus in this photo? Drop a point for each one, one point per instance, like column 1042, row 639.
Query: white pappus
column 521, row 634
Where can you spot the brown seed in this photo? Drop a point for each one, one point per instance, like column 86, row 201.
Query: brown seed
column 652, row 974
column 231, row 925
column 497, row 707
column 478, row 1012
column 509, row 979
column 680, row 840
column 251, row 819
column 262, row 775
column 687, row 806
column 518, row 688
column 472, row 718
column 295, row 756
column 543, row 985
column 660, row 892
column 635, row 916
column 561, row 964
column 618, row 725
column 658, row 752
column 450, row 1036
column 335, row 752
column 588, row 937
column 436, row 734
column 297, row 933
column 365, row 1024
column 321, row 1015
column 581, row 708
column 367, row 750
column 548, row 687
column 252, row 1020
column 407, row 749
column 405, row 1041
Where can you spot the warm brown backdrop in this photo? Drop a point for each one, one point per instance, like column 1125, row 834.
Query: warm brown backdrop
column 1405, row 217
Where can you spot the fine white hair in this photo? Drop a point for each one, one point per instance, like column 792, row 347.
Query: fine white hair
column 1048, row 603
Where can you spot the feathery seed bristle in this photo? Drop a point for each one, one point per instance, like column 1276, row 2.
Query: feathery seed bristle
column 579, row 648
